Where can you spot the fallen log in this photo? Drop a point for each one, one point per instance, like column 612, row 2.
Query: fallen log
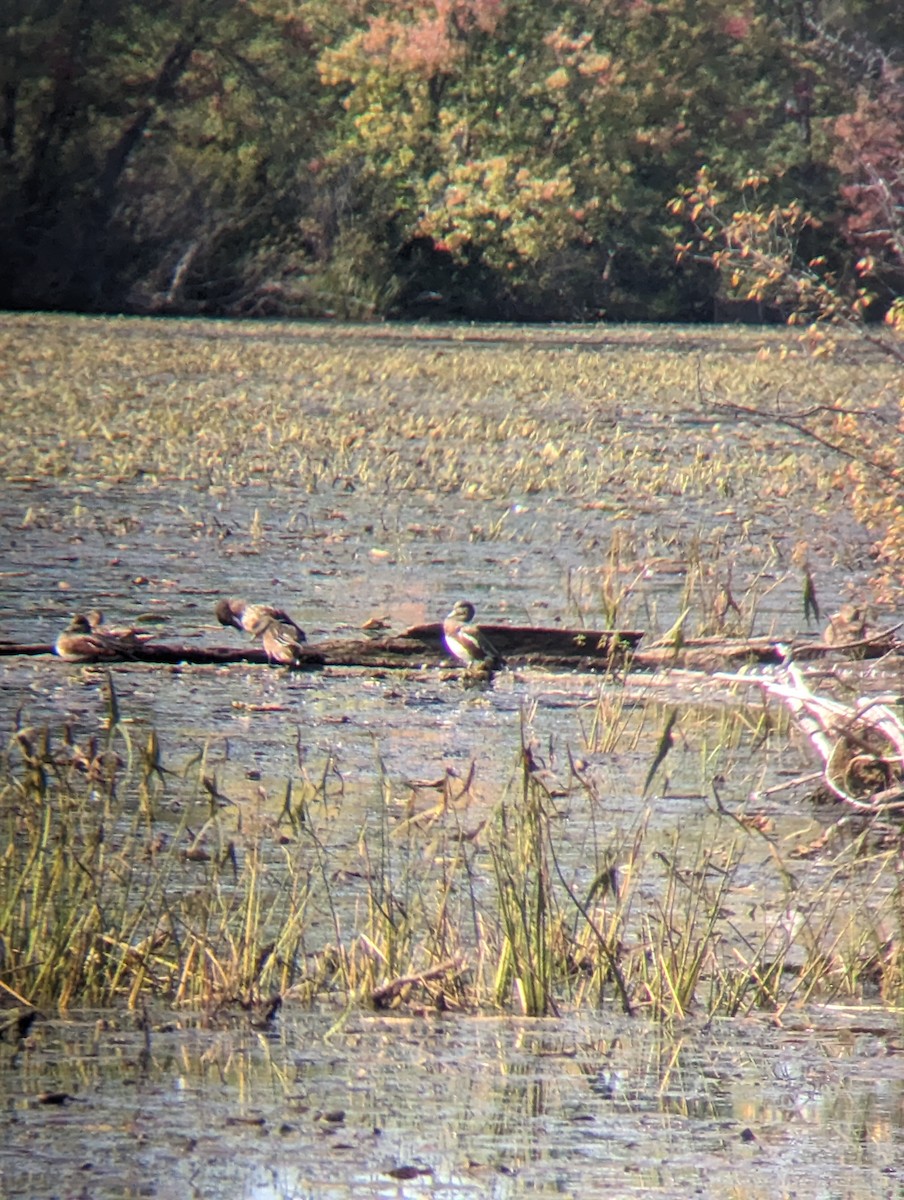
column 9, row 649
column 165, row 653
column 861, row 746
column 708, row 654
column 554, row 649
column 421, row 645
column 719, row 653
column 524, row 641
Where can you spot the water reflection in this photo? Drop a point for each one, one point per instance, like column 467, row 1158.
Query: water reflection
column 463, row 1108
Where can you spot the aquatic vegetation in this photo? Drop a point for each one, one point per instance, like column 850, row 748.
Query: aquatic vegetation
column 100, row 900
column 123, row 879
column 125, row 874
column 309, row 408
column 600, row 437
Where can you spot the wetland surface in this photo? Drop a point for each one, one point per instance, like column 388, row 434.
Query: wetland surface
column 462, row 1108
column 567, row 477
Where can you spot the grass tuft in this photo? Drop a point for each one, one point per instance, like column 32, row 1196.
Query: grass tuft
column 537, row 904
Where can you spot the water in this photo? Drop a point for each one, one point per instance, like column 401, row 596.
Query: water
column 465, row 1107
column 348, row 474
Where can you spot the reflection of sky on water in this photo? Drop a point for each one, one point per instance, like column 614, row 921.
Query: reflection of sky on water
column 481, row 1107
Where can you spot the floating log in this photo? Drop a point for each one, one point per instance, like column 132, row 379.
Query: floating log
column 719, row 653
column 562, row 649
column 421, row 644
column 712, row 654
column 164, row 653
column 590, row 649
column 8, row 649
column 523, row 642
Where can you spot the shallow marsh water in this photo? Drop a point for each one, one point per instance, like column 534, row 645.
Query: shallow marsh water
column 349, row 474
column 408, row 1107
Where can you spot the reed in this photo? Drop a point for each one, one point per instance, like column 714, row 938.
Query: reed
column 537, row 902
column 99, row 903
column 526, row 903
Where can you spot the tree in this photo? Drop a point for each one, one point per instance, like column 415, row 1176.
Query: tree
column 330, row 154
column 541, row 139
column 762, row 250
column 137, row 139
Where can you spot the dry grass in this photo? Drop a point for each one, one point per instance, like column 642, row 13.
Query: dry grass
column 105, row 899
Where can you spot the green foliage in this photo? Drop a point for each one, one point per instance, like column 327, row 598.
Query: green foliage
column 256, row 159
column 541, row 143
column 149, row 150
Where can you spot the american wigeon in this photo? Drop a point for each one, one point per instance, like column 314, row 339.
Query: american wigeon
column 127, row 637
column 80, row 643
column 254, row 618
column 280, row 641
column 467, row 641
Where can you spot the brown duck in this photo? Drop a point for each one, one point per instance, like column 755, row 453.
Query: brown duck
column 254, row 618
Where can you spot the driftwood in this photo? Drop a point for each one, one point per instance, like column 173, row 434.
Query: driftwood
column 718, row 653
column 525, row 642
column 861, row 746
column 563, row 649
column 398, row 988
column 164, row 653
column 421, row 645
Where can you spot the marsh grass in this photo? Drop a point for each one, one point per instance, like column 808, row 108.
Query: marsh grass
column 615, row 721
column 618, row 440
column 122, row 879
column 619, row 919
column 98, row 901
column 519, row 848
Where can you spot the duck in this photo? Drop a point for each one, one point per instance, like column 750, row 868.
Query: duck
column 467, row 642
column 80, row 643
column 848, row 625
column 128, row 637
column 281, row 642
column 254, row 618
